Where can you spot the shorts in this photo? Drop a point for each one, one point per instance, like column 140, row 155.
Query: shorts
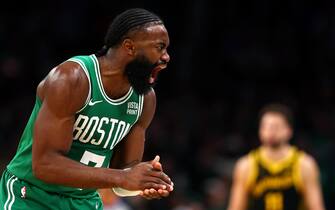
column 16, row 194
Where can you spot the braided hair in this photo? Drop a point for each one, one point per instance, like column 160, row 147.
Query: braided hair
column 129, row 20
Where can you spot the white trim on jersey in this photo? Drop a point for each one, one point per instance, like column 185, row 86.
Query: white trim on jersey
column 141, row 106
column 100, row 84
column 89, row 81
column 10, row 193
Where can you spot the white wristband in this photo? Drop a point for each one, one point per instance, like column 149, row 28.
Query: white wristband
column 125, row 193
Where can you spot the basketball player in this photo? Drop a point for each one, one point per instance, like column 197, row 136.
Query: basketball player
column 89, row 122
column 276, row 176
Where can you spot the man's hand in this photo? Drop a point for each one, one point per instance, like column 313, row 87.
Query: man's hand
column 145, row 176
column 152, row 193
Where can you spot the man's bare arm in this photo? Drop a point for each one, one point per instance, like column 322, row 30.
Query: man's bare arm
column 130, row 150
column 311, row 185
column 239, row 192
column 64, row 92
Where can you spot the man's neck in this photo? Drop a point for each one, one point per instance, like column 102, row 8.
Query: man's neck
column 276, row 154
column 113, row 63
column 115, row 83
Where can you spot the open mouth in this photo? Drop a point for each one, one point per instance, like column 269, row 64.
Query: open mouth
column 155, row 71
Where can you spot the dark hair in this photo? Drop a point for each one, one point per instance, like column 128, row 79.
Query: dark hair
column 129, row 20
column 281, row 109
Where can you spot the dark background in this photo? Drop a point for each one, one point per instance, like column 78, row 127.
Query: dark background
column 228, row 59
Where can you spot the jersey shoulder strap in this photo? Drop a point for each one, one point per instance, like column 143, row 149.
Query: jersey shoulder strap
column 89, row 67
column 296, row 170
column 253, row 168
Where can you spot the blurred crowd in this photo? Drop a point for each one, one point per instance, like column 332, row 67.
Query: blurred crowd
column 226, row 63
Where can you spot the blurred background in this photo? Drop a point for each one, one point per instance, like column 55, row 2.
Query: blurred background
column 228, row 59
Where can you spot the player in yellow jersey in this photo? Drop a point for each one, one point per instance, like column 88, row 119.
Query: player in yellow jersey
column 276, row 176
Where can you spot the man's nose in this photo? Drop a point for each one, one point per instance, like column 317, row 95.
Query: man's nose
column 165, row 57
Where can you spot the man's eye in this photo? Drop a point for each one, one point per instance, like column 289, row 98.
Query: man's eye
column 160, row 47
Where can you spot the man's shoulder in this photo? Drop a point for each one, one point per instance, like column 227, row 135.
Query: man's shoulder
column 70, row 71
column 307, row 161
column 66, row 76
column 303, row 156
column 150, row 94
column 243, row 163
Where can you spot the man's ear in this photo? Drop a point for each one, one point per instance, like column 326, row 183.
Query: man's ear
column 129, row 46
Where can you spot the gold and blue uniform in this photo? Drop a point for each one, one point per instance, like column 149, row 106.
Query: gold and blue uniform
column 275, row 185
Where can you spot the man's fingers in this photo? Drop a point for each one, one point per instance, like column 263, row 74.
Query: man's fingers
column 163, row 183
column 163, row 193
column 156, row 184
column 154, row 194
column 150, row 194
column 161, row 175
column 170, row 188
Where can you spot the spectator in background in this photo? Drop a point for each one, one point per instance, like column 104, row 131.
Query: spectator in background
column 215, row 194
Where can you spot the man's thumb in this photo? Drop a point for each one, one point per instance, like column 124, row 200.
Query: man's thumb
column 156, row 164
column 156, row 159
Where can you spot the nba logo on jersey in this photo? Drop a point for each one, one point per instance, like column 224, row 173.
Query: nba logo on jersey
column 23, row 192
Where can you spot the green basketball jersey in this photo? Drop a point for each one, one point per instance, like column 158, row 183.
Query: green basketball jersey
column 99, row 126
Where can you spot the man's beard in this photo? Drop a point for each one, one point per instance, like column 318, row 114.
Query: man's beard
column 275, row 145
column 138, row 72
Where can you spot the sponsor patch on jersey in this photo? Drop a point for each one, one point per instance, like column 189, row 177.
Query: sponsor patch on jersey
column 132, row 108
